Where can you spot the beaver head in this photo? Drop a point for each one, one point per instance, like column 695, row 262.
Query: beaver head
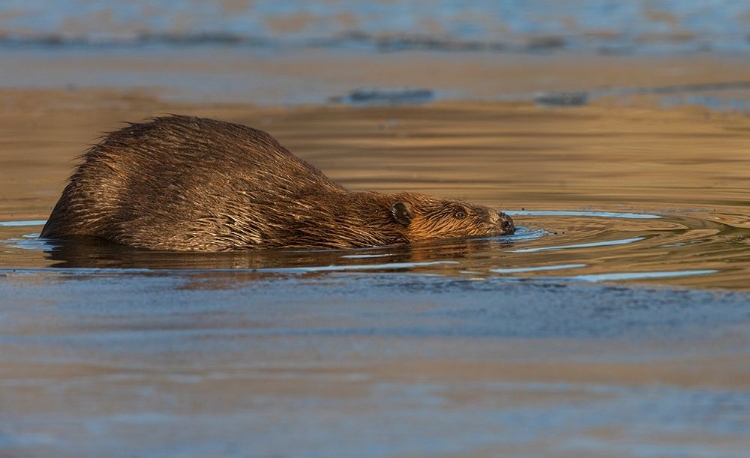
column 426, row 217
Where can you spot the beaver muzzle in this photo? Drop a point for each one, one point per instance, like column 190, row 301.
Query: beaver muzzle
column 506, row 223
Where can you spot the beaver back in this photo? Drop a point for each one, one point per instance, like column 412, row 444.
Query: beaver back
column 181, row 182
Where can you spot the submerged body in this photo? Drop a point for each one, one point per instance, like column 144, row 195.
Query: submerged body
column 191, row 184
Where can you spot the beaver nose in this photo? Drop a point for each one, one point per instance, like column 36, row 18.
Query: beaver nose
column 506, row 223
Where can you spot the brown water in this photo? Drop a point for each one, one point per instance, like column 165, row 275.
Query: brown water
column 613, row 323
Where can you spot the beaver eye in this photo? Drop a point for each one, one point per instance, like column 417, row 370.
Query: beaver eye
column 459, row 214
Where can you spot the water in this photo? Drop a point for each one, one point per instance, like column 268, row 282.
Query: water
column 613, row 323
column 526, row 344
column 290, row 52
column 109, row 362
column 622, row 27
column 554, row 245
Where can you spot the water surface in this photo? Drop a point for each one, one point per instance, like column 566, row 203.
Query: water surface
column 232, row 363
column 626, row 196
column 618, row 27
column 692, row 248
column 614, row 323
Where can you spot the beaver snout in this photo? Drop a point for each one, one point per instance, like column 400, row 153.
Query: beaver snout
column 506, row 223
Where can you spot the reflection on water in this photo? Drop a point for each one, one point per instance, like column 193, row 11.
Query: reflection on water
column 543, row 343
column 598, row 246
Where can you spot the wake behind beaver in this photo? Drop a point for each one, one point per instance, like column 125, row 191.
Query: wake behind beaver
column 183, row 183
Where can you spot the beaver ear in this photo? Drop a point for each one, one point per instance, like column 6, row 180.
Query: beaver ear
column 402, row 212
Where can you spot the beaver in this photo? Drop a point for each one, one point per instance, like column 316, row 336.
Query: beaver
column 183, row 183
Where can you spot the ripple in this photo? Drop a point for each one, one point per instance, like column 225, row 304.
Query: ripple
column 588, row 214
column 357, row 267
column 582, row 245
column 34, row 222
column 690, row 247
column 640, row 275
column 519, row 270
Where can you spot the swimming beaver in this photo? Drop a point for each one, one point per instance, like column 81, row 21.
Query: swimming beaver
column 191, row 184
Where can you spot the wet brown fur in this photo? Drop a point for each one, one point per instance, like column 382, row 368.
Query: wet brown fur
column 191, row 184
